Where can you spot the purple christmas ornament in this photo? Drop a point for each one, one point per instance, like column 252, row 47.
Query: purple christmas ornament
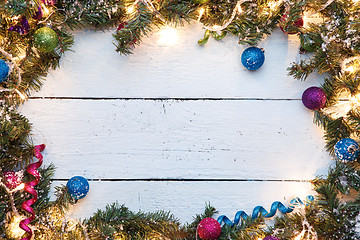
column 23, row 28
column 39, row 14
column 271, row 238
column 314, row 98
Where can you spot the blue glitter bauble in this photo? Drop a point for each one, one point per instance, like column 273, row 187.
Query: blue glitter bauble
column 4, row 70
column 253, row 58
column 347, row 150
column 78, row 187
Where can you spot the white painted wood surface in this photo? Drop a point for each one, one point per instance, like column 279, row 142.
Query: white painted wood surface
column 178, row 111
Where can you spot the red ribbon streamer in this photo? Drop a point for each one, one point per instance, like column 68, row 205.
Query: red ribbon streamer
column 29, row 187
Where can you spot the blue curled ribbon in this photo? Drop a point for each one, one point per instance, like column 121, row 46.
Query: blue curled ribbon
column 259, row 210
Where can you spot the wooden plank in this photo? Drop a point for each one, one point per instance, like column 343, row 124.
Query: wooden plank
column 180, row 68
column 127, row 139
column 185, row 199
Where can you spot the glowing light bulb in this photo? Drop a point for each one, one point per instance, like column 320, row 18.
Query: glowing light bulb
column 201, row 13
column 46, row 11
column 349, row 69
column 13, row 227
column 22, row 96
column 355, row 100
column 130, row 9
column 168, row 36
column 298, row 237
column 20, row 187
column 272, row 5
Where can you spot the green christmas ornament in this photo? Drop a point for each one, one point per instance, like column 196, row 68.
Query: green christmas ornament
column 200, row 1
column 307, row 43
column 45, row 39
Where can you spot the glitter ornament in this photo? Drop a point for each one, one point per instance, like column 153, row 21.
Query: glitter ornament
column 12, row 179
column 271, row 238
column 78, row 187
column 290, row 29
column 347, row 150
column 209, row 229
column 253, row 58
column 45, row 39
column 314, row 98
column 4, row 70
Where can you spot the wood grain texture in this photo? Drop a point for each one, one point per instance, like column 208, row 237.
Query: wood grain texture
column 186, row 199
column 180, row 139
column 180, row 69
column 178, row 111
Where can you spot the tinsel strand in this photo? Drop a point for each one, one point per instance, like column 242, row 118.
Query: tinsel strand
column 29, row 187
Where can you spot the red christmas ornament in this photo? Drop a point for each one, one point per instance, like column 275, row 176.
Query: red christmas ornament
column 298, row 24
column 12, row 179
column 271, row 238
column 209, row 229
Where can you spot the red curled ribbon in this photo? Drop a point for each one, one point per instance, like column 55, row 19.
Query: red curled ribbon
column 29, row 187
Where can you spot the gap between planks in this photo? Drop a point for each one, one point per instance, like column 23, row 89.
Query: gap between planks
column 183, row 180
column 173, row 98
column 168, row 98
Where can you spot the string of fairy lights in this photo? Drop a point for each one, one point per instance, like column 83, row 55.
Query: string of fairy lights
column 349, row 65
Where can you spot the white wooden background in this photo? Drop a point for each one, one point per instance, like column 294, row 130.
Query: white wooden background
column 176, row 125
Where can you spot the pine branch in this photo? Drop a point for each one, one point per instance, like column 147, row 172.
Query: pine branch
column 302, row 69
column 118, row 221
column 177, row 12
column 139, row 25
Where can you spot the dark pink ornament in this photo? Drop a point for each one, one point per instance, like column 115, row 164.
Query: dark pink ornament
column 209, row 229
column 12, row 179
column 271, row 238
column 314, row 98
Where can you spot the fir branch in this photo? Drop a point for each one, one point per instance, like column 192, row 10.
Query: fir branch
column 139, row 25
column 332, row 89
column 353, row 117
column 118, row 221
column 336, row 130
column 177, row 12
column 301, row 70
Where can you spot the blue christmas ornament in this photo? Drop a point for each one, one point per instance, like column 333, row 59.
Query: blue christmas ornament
column 253, row 58
column 4, row 70
column 347, row 150
column 78, row 187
